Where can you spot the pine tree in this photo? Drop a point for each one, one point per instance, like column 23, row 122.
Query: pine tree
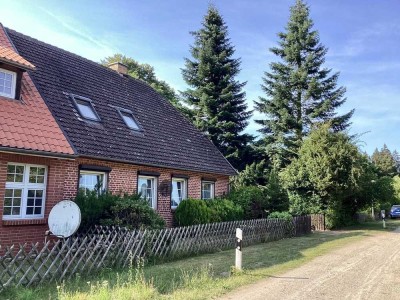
column 299, row 90
column 384, row 161
column 216, row 97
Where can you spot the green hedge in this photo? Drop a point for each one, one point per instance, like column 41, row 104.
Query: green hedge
column 281, row 215
column 195, row 211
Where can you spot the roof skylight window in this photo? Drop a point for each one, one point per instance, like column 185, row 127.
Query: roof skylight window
column 85, row 108
column 129, row 119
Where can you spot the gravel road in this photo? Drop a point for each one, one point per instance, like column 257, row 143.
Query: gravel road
column 366, row 269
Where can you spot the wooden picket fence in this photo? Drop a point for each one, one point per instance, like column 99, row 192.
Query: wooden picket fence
column 109, row 247
column 318, row 222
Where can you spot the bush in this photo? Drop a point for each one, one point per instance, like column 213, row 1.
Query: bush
column 223, row 210
column 192, row 211
column 251, row 199
column 132, row 212
column 94, row 206
column 281, row 215
column 196, row 211
column 107, row 209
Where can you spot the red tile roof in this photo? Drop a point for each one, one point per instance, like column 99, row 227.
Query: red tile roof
column 8, row 55
column 27, row 123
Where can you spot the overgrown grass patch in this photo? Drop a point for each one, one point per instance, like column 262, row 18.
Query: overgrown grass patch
column 200, row 277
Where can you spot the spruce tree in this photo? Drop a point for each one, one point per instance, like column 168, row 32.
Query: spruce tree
column 216, row 97
column 299, row 90
column 384, row 161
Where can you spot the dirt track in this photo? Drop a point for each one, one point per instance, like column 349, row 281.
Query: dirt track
column 367, row 269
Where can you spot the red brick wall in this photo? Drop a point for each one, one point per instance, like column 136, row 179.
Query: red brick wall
column 62, row 183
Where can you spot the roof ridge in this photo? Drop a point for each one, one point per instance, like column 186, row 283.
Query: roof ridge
column 74, row 54
column 171, row 140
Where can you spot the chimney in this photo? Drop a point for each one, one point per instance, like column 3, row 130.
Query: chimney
column 119, row 67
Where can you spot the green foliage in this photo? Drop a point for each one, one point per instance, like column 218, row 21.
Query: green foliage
column 133, row 212
column 327, row 176
column 299, row 89
column 216, row 97
column 251, row 199
column 146, row 73
column 196, row 211
column 94, row 206
column 254, row 174
column 223, row 210
column 191, row 212
column 396, row 189
column 281, row 215
column 277, row 197
column 385, row 161
column 123, row 210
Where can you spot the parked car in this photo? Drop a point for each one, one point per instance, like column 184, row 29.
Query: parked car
column 395, row 211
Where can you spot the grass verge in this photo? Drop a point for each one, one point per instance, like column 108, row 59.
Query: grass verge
column 201, row 277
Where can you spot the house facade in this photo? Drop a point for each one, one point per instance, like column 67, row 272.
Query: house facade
column 67, row 123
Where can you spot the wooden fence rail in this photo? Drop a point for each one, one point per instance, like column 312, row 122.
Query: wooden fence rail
column 101, row 247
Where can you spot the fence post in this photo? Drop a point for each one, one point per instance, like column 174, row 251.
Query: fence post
column 238, row 256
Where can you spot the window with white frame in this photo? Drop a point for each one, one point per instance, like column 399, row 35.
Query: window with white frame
column 147, row 187
column 178, row 192
column 207, row 190
column 25, row 191
column 7, row 83
column 92, row 181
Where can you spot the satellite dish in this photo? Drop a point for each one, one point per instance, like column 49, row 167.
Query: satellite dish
column 64, row 219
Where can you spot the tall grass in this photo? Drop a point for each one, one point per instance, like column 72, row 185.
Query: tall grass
column 134, row 287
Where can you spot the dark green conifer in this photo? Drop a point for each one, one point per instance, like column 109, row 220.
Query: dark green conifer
column 215, row 95
column 299, row 90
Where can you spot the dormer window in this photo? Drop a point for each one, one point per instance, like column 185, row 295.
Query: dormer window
column 85, row 108
column 129, row 119
column 7, row 83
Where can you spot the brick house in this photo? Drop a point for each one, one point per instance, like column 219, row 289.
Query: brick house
column 67, row 123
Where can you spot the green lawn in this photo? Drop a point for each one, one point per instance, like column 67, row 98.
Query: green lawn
column 201, row 277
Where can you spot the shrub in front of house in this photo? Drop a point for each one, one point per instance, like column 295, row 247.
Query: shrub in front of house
column 94, row 206
column 191, row 212
column 197, row 211
column 223, row 210
column 117, row 210
column 133, row 212
column 252, row 199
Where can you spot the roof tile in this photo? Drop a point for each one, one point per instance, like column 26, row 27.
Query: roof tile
column 28, row 124
column 167, row 139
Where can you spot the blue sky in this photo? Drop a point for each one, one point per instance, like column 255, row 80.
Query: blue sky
column 363, row 37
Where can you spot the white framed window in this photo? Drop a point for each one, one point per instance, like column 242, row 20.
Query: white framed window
column 25, row 191
column 92, row 181
column 147, row 187
column 85, row 108
column 178, row 191
column 7, row 83
column 207, row 190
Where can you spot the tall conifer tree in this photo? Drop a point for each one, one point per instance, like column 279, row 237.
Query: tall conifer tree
column 216, row 97
column 299, row 90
